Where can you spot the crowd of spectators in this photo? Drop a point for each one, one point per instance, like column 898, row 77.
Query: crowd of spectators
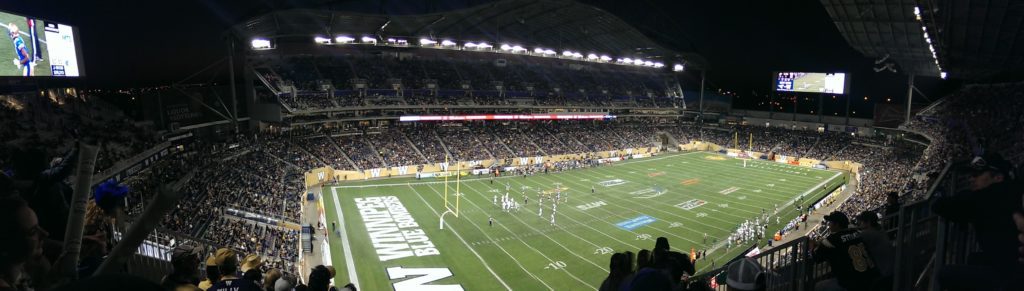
column 359, row 151
column 490, row 141
column 322, row 147
column 285, row 147
column 394, row 148
column 261, row 173
column 545, row 83
column 252, row 238
column 424, row 139
column 520, row 144
column 466, row 145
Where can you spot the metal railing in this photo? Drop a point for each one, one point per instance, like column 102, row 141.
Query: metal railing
column 924, row 243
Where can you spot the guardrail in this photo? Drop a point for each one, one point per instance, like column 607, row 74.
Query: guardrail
column 924, row 243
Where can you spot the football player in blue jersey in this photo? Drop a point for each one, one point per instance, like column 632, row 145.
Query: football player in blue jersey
column 24, row 59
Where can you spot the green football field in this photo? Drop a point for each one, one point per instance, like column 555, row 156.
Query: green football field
column 391, row 238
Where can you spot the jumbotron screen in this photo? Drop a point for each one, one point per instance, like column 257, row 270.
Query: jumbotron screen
column 829, row 83
column 39, row 47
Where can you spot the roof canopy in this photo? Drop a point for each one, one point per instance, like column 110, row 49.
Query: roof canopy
column 973, row 39
column 553, row 24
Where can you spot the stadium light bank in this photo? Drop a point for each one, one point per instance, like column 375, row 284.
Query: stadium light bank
column 425, row 42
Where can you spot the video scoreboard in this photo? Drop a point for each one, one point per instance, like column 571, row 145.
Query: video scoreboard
column 39, row 48
column 827, row 83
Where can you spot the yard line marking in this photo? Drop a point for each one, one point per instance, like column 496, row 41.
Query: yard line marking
column 485, row 235
column 349, row 264
column 457, row 235
column 542, row 233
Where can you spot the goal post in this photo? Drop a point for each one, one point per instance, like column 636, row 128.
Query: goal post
column 456, row 196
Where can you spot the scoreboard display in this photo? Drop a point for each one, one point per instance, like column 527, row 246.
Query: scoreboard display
column 828, row 83
column 39, row 48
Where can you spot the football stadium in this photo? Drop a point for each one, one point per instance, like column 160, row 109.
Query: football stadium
column 513, row 145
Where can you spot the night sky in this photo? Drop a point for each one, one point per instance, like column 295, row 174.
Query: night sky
column 139, row 43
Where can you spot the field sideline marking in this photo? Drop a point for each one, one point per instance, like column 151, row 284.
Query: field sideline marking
column 566, row 270
column 625, row 216
column 697, row 221
column 507, row 177
column 598, row 219
column 457, row 235
column 545, row 235
column 349, row 265
column 485, row 235
column 719, row 245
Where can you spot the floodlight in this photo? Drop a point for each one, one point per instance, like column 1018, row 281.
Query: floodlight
column 943, row 75
column 538, row 51
column 626, row 60
column 567, row 53
column 677, row 68
column 605, row 58
column 659, row 65
column 649, row 63
column 592, row 57
column 505, row 47
column 577, row 55
column 483, row 45
column 469, row 45
column 917, row 11
column 321, row 40
column 391, row 39
column 517, row 48
column 549, row 52
column 367, row 39
column 447, row 43
column 638, row 62
column 260, row 43
column 424, row 42
column 344, row 39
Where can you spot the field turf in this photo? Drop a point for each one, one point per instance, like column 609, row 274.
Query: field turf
column 677, row 196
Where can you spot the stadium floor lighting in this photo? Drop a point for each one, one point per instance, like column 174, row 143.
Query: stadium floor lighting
column 260, row 43
column 344, row 39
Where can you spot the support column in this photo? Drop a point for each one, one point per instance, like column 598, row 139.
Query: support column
column 231, row 82
column 701, row 102
column 848, row 97
column 821, row 107
column 910, row 95
column 796, row 101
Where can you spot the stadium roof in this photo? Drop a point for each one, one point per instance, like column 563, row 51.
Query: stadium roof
column 554, row 24
column 973, row 39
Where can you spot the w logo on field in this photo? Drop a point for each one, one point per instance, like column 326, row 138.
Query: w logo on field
column 320, row 176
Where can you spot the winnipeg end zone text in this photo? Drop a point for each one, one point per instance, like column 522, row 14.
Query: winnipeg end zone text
column 395, row 235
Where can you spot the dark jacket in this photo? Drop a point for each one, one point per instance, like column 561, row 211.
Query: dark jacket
column 990, row 211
